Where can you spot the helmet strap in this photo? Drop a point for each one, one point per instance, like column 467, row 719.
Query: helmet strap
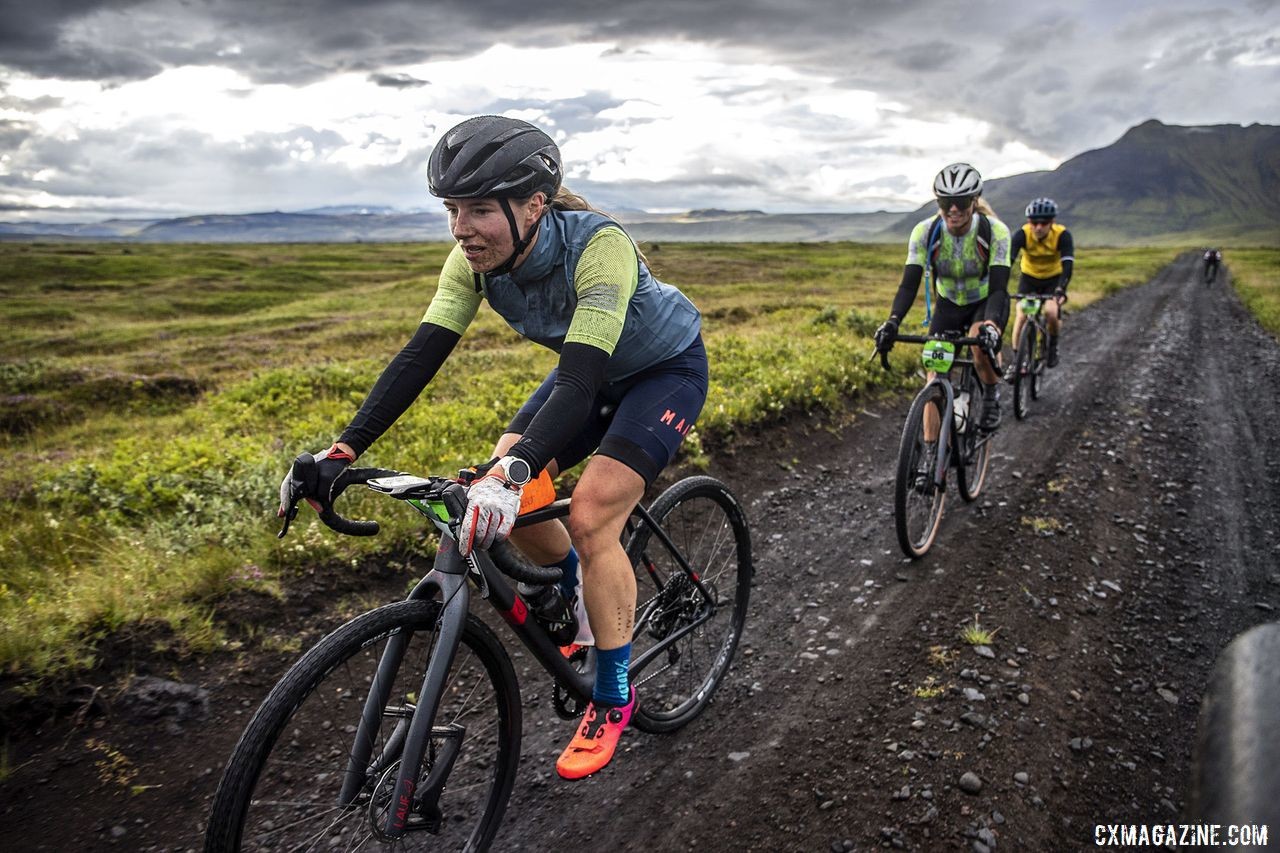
column 520, row 243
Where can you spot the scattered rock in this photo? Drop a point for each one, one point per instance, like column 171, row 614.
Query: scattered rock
column 970, row 783
column 147, row 699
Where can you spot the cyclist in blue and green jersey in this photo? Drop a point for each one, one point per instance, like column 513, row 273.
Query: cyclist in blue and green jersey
column 966, row 251
column 1047, row 260
column 630, row 382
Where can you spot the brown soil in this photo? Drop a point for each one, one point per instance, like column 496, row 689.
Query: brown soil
column 1126, row 534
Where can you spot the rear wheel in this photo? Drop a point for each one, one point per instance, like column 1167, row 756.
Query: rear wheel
column 687, row 626
column 282, row 789
column 974, row 447
column 919, row 493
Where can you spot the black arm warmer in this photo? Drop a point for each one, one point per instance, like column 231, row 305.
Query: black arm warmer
column 1066, row 249
column 578, row 380
column 912, row 274
column 997, row 309
column 1016, row 244
column 400, row 384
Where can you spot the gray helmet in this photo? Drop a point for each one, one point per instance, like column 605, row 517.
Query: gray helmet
column 1042, row 208
column 494, row 157
column 958, row 179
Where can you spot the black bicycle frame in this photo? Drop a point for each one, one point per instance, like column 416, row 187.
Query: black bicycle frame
column 448, row 579
column 943, row 381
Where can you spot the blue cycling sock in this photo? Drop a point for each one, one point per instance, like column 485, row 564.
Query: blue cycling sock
column 569, row 567
column 611, row 677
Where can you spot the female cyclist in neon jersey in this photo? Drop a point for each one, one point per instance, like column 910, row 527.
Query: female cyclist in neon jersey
column 630, row 381
column 1048, row 257
column 971, row 280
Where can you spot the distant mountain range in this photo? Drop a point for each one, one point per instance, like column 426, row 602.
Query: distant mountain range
column 1157, row 184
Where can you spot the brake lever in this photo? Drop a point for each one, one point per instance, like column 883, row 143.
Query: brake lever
column 288, row 515
column 884, row 358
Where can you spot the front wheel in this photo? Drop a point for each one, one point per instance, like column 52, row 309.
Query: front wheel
column 1023, row 372
column 1039, row 360
column 919, row 493
column 283, row 788
column 688, row 623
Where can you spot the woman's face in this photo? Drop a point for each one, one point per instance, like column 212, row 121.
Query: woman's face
column 957, row 212
column 1040, row 227
column 480, row 226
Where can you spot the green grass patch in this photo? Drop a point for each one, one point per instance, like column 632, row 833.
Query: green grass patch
column 1255, row 275
column 976, row 635
column 156, row 394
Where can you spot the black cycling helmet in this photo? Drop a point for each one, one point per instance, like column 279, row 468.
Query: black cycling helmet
column 1042, row 208
column 494, row 157
column 958, row 179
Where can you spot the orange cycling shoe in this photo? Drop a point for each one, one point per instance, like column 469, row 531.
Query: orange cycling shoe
column 595, row 740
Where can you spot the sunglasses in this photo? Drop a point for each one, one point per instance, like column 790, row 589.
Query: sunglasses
column 963, row 202
column 1041, row 221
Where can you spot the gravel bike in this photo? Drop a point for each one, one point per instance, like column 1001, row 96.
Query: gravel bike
column 920, row 487
column 403, row 726
column 1030, row 355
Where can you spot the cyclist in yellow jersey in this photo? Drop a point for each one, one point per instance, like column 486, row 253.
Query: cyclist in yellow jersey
column 630, row 382
column 1048, row 258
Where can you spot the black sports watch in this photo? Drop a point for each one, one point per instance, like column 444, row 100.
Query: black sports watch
column 518, row 472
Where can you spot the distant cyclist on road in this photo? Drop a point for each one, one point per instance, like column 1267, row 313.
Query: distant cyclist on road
column 1212, row 258
column 630, row 382
column 1048, row 256
column 966, row 252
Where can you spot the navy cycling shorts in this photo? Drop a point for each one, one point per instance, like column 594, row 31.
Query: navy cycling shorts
column 639, row 421
column 950, row 317
column 1029, row 285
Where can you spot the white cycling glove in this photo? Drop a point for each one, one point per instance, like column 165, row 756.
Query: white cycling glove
column 492, row 507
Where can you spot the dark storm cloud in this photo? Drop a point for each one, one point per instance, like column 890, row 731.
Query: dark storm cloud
column 13, row 134
column 1058, row 78
column 397, row 81
column 303, row 41
column 1026, row 69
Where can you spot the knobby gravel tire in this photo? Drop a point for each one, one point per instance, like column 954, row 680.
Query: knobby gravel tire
column 975, row 449
column 280, row 788
column 1023, row 377
column 708, row 526
column 917, row 513
column 1039, row 361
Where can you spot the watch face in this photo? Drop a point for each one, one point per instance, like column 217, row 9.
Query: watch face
column 518, row 471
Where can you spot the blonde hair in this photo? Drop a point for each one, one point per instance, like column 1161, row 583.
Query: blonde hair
column 985, row 209
column 567, row 199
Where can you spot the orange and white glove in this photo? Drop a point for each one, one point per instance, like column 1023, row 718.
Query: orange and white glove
column 492, row 507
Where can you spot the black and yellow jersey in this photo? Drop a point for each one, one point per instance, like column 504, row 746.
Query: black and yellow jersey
column 1042, row 258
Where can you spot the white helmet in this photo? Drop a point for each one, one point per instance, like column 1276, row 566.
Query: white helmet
column 958, row 179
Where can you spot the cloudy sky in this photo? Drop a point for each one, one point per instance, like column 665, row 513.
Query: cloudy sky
column 143, row 108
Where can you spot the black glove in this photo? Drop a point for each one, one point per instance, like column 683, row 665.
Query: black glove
column 1060, row 294
column 314, row 482
column 989, row 338
column 885, row 335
